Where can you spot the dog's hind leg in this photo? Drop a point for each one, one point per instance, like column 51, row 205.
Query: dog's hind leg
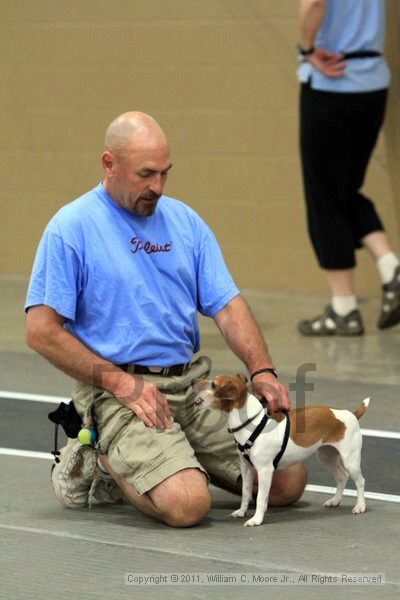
column 330, row 458
column 352, row 464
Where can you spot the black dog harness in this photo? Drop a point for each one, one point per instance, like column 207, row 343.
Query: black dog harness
column 244, row 449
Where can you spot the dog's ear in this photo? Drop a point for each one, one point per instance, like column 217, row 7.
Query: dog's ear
column 243, row 392
column 226, row 388
column 230, row 391
column 242, row 377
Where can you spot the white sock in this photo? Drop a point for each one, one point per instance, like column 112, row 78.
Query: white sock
column 387, row 265
column 343, row 305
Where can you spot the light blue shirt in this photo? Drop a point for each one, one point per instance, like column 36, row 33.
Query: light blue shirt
column 351, row 26
column 130, row 286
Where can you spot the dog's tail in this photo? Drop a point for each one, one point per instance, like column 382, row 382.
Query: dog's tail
column 362, row 408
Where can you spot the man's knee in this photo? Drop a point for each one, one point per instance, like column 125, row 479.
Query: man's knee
column 187, row 511
column 185, row 499
column 288, row 485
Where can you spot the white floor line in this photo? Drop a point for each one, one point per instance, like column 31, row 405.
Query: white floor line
column 322, row 489
column 6, row 395
column 381, row 433
column 309, row 488
column 25, row 453
column 72, row 536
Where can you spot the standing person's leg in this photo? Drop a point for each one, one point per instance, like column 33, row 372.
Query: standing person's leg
column 388, row 265
column 364, row 118
column 367, row 115
column 325, row 153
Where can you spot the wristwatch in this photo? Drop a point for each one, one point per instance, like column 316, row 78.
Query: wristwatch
column 265, row 370
column 305, row 52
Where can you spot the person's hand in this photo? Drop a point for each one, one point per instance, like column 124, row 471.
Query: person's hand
column 328, row 63
column 266, row 385
column 145, row 400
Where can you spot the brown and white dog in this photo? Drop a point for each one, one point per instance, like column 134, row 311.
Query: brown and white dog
column 334, row 434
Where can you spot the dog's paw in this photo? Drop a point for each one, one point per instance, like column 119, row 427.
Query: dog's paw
column 332, row 502
column 358, row 509
column 238, row 514
column 253, row 522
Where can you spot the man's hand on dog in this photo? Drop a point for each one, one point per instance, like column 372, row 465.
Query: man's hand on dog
column 266, row 385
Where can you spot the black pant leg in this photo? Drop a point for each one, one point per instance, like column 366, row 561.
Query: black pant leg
column 366, row 115
column 325, row 156
column 337, row 135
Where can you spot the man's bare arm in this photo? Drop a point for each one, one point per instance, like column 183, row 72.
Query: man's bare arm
column 45, row 334
column 311, row 16
column 243, row 336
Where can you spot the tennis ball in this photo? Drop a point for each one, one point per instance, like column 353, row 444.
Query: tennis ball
column 86, row 437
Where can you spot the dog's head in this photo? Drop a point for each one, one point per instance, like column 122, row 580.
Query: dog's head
column 225, row 392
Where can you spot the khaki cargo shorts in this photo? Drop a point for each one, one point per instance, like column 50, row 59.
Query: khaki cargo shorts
column 145, row 456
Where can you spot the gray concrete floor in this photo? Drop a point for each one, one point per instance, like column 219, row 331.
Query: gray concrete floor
column 55, row 552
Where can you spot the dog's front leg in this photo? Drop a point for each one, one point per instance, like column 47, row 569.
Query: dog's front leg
column 264, row 485
column 247, row 472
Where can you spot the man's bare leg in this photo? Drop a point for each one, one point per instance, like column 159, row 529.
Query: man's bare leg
column 377, row 243
column 181, row 500
column 340, row 281
column 288, row 485
column 286, row 488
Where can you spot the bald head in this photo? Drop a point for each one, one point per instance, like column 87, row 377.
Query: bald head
column 136, row 162
column 133, row 131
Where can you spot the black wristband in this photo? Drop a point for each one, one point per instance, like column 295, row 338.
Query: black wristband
column 266, row 370
column 305, row 52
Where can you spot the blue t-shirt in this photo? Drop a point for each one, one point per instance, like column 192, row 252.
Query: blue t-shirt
column 130, row 286
column 351, row 26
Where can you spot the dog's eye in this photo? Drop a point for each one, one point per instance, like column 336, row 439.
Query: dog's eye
column 213, row 386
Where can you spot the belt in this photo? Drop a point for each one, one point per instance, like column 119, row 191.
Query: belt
column 174, row 370
column 361, row 54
